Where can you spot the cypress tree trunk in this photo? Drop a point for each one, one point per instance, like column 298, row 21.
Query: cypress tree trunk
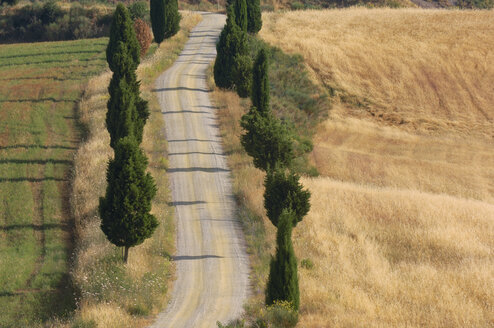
column 283, row 278
column 126, row 254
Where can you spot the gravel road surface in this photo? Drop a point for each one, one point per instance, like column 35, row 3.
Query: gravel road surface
column 212, row 266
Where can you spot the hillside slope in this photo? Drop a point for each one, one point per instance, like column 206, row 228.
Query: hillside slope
column 401, row 229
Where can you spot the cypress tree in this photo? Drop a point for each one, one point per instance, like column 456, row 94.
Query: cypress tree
column 231, row 45
column 157, row 13
column 242, row 75
column 172, row 18
column 121, row 55
column 260, row 82
column 241, row 14
column 254, row 16
column 122, row 31
column 124, row 211
column 283, row 280
column 266, row 140
column 284, row 191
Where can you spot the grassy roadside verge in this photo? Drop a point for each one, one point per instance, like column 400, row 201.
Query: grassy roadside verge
column 301, row 105
column 113, row 294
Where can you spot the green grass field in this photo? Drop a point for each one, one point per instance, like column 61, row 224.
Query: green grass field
column 40, row 86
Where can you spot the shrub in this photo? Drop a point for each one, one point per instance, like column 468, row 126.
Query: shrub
column 281, row 315
column 50, row 12
column 307, row 264
column 143, row 34
column 139, row 10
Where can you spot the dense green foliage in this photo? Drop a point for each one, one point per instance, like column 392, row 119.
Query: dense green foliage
column 266, row 140
column 127, row 111
column 231, row 46
column 50, row 22
column 254, row 17
column 139, row 10
column 284, row 191
column 172, row 18
column 124, row 211
column 158, row 20
column 283, row 279
column 123, row 50
column 165, row 19
column 241, row 18
column 260, row 82
column 242, row 75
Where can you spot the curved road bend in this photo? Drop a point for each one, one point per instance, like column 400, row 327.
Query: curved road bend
column 212, row 266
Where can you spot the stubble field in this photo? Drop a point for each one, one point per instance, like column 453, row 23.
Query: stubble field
column 401, row 229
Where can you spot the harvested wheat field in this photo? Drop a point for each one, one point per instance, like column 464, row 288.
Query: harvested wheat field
column 401, row 229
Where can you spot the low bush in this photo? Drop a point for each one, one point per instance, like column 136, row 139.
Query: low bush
column 143, row 34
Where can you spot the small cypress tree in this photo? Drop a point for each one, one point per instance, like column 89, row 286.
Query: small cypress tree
column 172, row 18
column 283, row 279
column 232, row 43
column 123, row 42
column 157, row 13
column 260, row 82
column 266, row 140
column 242, row 75
column 124, row 211
column 241, row 14
column 284, row 191
column 254, row 16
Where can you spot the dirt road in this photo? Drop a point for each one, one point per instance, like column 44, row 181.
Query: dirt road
column 212, row 266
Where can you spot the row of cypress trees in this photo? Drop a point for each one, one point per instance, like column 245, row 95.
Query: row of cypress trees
column 124, row 210
column 165, row 19
column 267, row 140
column 270, row 144
column 233, row 65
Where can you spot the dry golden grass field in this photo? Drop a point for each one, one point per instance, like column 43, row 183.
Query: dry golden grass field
column 401, row 229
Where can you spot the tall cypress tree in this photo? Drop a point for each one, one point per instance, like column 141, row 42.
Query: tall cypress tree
column 284, row 191
column 231, row 45
column 124, row 211
column 123, row 61
column 260, row 82
column 283, row 279
column 122, row 31
column 254, row 16
column 241, row 14
column 157, row 13
column 172, row 18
